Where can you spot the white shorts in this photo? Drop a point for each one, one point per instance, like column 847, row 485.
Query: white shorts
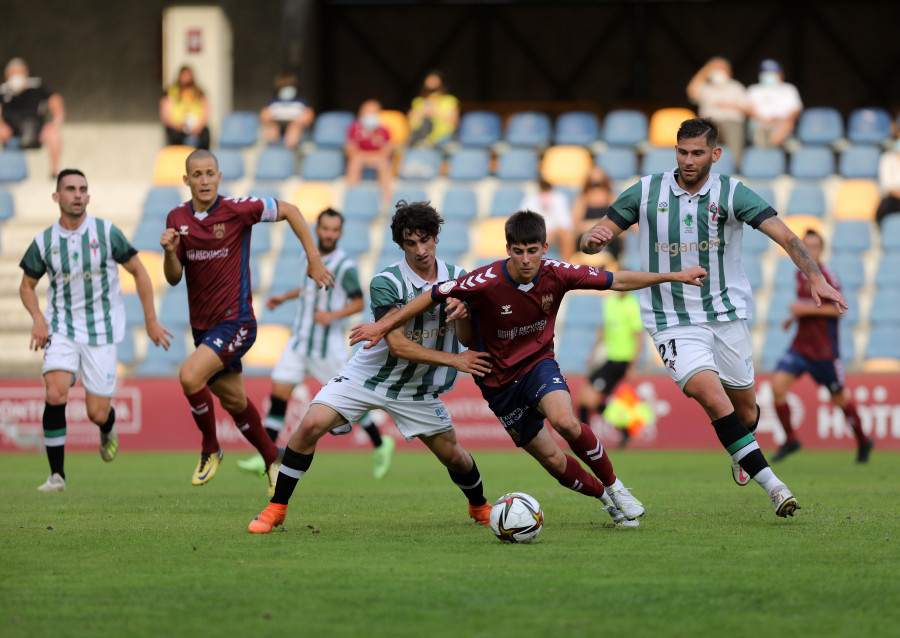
column 412, row 418
column 98, row 365
column 724, row 347
column 292, row 367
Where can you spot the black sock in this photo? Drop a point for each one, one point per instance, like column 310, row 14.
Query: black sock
column 274, row 421
column 583, row 413
column 367, row 424
column 734, row 437
column 54, row 425
column 470, row 484
column 107, row 427
column 296, row 465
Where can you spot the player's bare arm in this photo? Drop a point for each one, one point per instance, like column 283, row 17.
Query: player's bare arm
column 475, row 363
column 172, row 268
column 39, row 331
column 799, row 254
column 155, row 330
column 630, row 280
column 315, row 268
column 375, row 332
column 599, row 236
column 325, row 317
column 456, row 309
column 276, row 300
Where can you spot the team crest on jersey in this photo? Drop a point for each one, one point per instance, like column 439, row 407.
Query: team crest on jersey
column 546, row 302
column 713, row 211
column 446, row 287
column 688, row 221
column 663, row 207
column 94, row 245
column 219, row 230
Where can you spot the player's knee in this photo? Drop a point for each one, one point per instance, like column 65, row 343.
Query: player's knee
column 569, row 427
column 57, row 396
column 98, row 416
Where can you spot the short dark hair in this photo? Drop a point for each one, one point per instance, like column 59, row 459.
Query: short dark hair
column 416, row 217
column 329, row 212
column 814, row 233
column 198, row 154
column 65, row 173
column 526, row 227
column 699, row 127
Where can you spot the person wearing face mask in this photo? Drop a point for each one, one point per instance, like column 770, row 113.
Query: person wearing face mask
column 286, row 114
column 434, row 114
column 889, row 182
column 774, row 106
column 31, row 112
column 720, row 97
column 184, row 111
column 369, row 145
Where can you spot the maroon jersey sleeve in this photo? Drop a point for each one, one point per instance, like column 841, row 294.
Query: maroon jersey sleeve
column 582, row 277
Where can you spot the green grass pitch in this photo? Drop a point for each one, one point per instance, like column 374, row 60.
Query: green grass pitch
column 132, row 549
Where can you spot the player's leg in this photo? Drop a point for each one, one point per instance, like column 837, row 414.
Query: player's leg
column 591, row 397
column 273, row 423
column 57, row 384
column 781, row 382
column 293, row 132
column 830, row 374
column 99, row 374
column 197, row 369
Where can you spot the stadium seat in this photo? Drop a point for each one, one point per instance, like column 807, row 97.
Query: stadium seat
column 271, row 339
column 755, row 242
column 262, row 192
column 850, row 270
column 323, row 165
column 885, row 309
column 397, row 125
column 290, row 269
column 361, row 203
column 584, row 310
column 576, row 128
column 625, row 127
column 725, row 165
column 168, row 167
column 469, row 164
column 490, row 238
column 312, row 198
column 454, row 238
column 753, row 270
column 517, row 164
column 164, row 363
column 856, row 199
column 7, row 207
column 261, row 239
column 766, row 192
column 884, row 341
column 619, row 163
column 147, row 234
column 860, row 162
column 806, row 199
column 134, row 310
column 812, row 162
column 231, row 163
column 173, row 310
column 820, row 126
column 159, row 202
column 887, row 275
column 664, row 125
column 529, row 129
column 505, row 201
column 658, row 160
column 355, row 238
column 330, row 128
column 153, row 264
column 566, row 165
column 799, row 224
column 881, row 365
column 239, row 129
column 785, row 274
column 572, row 349
column 410, row 194
column 284, row 314
column 762, row 163
column 777, row 341
column 479, row 128
column 890, row 233
column 276, row 163
column 869, row 126
column 846, row 341
column 13, row 167
column 852, row 236
column 852, row 314
column 125, row 351
column 459, row 204
column 420, row 164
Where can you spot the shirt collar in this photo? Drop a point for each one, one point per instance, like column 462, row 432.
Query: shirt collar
column 678, row 191
column 209, row 210
column 81, row 230
column 442, row 273
column 523, row 287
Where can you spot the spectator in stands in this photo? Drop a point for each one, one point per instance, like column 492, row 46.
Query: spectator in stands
column 774, row 106
column 889, row 182
column 434, row 114
column 286, row 114
column 720, row 97
column 369, row 145
column 31, row 112
column 185, row 112
column 554, row 208
column 590, row 206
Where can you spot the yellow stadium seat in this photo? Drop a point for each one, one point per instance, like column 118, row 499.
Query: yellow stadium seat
column 153, row 264
column 491, row 238
column 881, row 365
column 312, row 198
column 567, row 165
column 270, row 341
column 168, row 168
column 396, row 124
column 604, row 259
column 664, row 125
column 856, row 199
column 802, row 223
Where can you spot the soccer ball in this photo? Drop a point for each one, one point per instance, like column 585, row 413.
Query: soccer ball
column 517, row 518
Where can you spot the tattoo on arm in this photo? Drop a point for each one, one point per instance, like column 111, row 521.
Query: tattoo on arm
column 802, row 258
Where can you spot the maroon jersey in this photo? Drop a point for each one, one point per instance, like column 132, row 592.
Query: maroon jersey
column 514, row 322
column 817, row 337
column 215, row 252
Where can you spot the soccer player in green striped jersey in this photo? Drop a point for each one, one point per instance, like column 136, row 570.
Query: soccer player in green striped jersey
column 692, row 216
column 85, row 316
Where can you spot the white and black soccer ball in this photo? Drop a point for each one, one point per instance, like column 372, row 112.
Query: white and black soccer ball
column 517, row 518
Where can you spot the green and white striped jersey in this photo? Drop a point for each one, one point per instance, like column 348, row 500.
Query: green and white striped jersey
column 315, row 340
column 678, row 230
column 377, row 369
column 84, row 300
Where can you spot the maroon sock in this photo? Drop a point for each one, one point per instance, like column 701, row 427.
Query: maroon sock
column 205, row 418
column 852, row 418
column 783, row 410
column 578, row 479
column 588, row 448
column 250, row 425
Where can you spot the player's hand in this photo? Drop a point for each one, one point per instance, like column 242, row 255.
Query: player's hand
column 596, row 239
column 39, row 334
column 170, row 240
column 823, row 291
column 456, row 309
column 158, row 334
column 369, row 331
column 787, row 323
column 274, row 302
column 475, row 363
column 693, row 276
column 323, row 317
column 320, row 274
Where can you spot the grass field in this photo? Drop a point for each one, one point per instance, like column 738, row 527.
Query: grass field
column 133, row 549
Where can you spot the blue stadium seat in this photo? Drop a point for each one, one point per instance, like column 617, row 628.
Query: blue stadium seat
column 275, row 163
column 762, row 163
column 146, row 235
column 854, row 236
column 846, row 342
column 454, row 238
column 885, row 309
column 479, row 128
column 7, row 206
column 884, row 341
column 322, row 165
column 262, row 192
column 330, row 128
column 725, row 165
column 782, row 298
column 505, row 201
column 850, row 270
column 134, row 311
column 806, row 199
column 571, row 351
column 410, row 194
column 812, row 162
column 289, row 272
column 125, row 349
column 585, row 310
column 239, row 130
column 869, row 126
column 283, row 315
column 777, row 341
column 888, row 273
column 420, row 164
column 785, row 274
column 753, row 270
column 459, row 203
column 658, row 160
column 820, row 125
column 355, row 239
column 361, row 203
column 890, row 233
column 619, row 163
column 13, row 167
column 261, row 239
column 860, row 162
column 528, row 128
column 164, row 363
column 231, row 163
column 160, row 201
column 577, row 128
column 517, row 164
column 852, row 314
column 765, row 191
column 755, row 242
column 469, row 164
column 625, row 127
column 173, row 311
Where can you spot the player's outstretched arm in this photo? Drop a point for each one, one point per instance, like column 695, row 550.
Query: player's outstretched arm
column 599, row 236
column 155, row 330
column 276, row 300
column 315, row 269
column 475, row 363
column 375, row 332
column 172, row 268
column 630, row 280
column 39, row 331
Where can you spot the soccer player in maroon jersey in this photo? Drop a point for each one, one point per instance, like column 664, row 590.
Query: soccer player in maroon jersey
column 513, row 305
column 815, row 351
column 208, row 240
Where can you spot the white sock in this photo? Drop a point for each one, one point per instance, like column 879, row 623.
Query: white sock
column 767, row 479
